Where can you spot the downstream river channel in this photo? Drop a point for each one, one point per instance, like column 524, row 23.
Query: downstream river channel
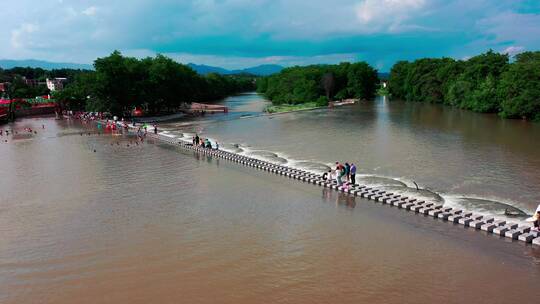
column 87, row 217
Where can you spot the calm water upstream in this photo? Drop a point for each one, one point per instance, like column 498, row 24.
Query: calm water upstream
column 152, row 224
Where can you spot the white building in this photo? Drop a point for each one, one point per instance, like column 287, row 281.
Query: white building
column 56, row 84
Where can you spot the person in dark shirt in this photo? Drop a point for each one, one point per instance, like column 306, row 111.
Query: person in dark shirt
column 353, row 174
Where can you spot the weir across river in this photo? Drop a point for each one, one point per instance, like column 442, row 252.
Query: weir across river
column 426, row 208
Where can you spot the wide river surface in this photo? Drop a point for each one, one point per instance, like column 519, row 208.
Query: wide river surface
column 95, row 218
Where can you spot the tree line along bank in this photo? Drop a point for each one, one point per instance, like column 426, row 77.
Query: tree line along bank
column 320, row 83
column 487, row 83
column 118, row 84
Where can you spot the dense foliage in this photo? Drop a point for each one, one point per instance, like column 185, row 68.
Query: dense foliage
column 157, row 84
column 320, row 83
column 119, row 83
column 486, row 83
column 19, row 88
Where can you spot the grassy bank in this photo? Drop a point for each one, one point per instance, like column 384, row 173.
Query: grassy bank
column 292, row 107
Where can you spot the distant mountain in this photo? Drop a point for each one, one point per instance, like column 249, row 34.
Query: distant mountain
column 8, row 64
column 260, row 70
column 206, row 69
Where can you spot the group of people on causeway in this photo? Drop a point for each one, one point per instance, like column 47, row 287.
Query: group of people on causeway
column 204, row 143
column 343, row 174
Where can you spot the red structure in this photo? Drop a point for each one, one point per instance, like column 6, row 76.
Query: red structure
column 5, row 110
column 9, row 108
column 137, row 112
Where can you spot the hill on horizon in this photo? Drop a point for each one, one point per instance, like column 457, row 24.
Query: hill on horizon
column 260, row 70
column 46, row 65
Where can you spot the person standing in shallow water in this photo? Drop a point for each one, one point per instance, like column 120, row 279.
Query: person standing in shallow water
column 353, row 173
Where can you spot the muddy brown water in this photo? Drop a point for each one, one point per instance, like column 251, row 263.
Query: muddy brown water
column 150, row 223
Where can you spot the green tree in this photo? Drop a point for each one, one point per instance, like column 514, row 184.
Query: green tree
column 519, row 88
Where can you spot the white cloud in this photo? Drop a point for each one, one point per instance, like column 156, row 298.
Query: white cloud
column 513, row 50
column 18, row 35
column 521, row 29
column 389, row 15
column 90, row 11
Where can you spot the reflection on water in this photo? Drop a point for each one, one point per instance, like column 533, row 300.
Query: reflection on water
column 338, row 198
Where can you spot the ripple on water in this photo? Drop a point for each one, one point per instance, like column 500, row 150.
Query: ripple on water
column 421, row 194
column 313, row 166
column 379, row 181
column 231, row 147
column 269, row 156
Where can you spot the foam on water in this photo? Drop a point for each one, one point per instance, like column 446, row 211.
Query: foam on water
column 492, row 207
column 379, row 181
column 421, row 194
column 311, row 166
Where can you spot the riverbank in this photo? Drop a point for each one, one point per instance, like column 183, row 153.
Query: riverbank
column 288, row 108
column 291, row 108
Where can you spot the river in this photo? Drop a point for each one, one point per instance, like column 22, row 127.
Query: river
column 95, row 218
column 475, row 161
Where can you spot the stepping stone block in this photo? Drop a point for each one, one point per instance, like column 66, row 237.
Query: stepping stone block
column 513, row 234
column 407, row 206
column 501, row 230
column 435, row 212
column 444, row 215
column 476, row 224
column 425, row 210
column 528, row 237
column 454, row 218
column 416, row 208
column 488, row 227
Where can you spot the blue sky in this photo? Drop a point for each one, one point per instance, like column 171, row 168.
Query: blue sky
column 243, row 33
